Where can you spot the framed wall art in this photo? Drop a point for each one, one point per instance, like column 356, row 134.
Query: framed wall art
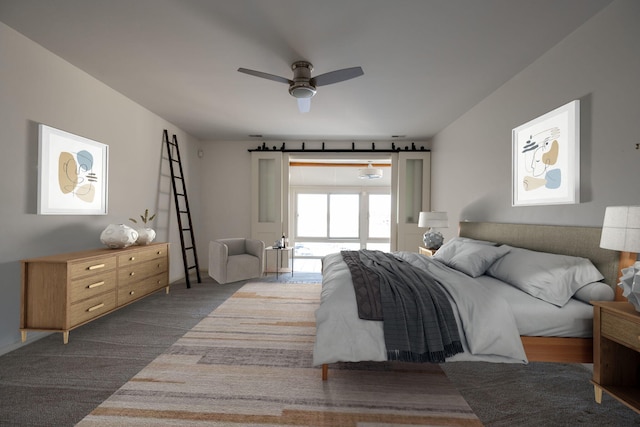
column 72, row 174
column 546, row 158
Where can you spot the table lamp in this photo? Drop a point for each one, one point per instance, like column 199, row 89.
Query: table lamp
column 621, row 232
column 433, row 239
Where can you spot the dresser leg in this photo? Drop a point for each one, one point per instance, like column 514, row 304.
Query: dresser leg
column 65, row 337
column 598, row 393
column 23, row 334
column 166, row 290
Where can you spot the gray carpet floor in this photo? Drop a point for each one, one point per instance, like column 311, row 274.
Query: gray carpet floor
column 536, row 394
column 47, row 383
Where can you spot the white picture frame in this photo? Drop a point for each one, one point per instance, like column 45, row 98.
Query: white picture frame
column 546, row 158
column 73, row 174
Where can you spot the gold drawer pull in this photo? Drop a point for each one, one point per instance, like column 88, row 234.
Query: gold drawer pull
column 95, row 267
column 132, row 258
column 95, row 307
column 132, row 292
column 133, row 273
column 95, row 285
column 159, row 253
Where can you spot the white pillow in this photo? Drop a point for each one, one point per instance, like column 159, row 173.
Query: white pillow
column 469, row 257
column 470, row 240
column 596, row 291
column 550, row 277
column 447, row 249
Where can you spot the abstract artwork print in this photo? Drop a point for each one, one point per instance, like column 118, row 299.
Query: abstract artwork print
column 73, row 174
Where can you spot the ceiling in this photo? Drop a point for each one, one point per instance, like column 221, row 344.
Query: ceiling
column 425, row 62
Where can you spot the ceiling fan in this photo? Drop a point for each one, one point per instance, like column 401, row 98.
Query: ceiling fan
column 303, row 86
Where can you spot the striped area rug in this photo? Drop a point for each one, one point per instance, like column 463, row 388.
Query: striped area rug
column 249, row 363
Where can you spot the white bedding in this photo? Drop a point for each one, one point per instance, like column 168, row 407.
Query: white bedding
column 535, row 317
column 486, row 323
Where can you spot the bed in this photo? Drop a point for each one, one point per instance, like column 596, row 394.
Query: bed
column 554, row 332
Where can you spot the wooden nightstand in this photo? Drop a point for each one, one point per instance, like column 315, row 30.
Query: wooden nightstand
column 616, row 352
column 425, row 251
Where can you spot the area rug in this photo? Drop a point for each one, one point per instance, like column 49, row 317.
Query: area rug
column 250, row 363
column 291, row 278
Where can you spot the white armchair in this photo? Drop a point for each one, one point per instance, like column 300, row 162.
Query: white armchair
column 235, row 259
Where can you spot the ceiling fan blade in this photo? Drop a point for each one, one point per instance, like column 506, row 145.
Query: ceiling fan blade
column 304, row 105
column 337, row 76
column 265, row 75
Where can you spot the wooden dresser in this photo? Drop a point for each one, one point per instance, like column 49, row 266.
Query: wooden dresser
column 61, row 292
column 616, row 352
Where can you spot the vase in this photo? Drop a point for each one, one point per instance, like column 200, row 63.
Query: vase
column 145, row 235
column 117, row 236
column 630, row 284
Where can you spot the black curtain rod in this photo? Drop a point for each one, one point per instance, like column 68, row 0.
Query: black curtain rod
column 373, row 149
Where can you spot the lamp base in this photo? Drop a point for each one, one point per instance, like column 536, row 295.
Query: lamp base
column 433, row 239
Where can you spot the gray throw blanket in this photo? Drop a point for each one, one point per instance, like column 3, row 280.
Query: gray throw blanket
column 419, row 323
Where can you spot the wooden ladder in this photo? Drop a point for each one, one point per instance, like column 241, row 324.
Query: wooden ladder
column 187, row 238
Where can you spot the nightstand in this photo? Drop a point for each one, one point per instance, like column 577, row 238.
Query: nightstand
column 425, row 251
column 616, row 352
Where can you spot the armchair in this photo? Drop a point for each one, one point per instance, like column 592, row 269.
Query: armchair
column 235, row 259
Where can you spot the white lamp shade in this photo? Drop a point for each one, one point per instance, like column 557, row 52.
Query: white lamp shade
column 621, row 229
column 433, row 220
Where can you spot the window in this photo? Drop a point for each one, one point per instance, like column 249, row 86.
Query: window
column 379, row 215
column 344, row 218
column 311, row 215
column 328, row 221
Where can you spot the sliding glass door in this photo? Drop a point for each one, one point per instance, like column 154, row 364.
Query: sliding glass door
column 328, row 220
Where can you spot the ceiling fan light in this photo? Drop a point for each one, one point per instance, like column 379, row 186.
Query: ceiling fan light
column 370, row 172
column 302, row 90
column 304, row 105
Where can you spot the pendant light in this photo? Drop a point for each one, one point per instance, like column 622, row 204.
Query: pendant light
column 370, row 172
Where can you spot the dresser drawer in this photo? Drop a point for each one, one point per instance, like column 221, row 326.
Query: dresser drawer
column 90, row 286
column 135, row 290
column 88, row 309
column 137, row 272
column 93, row 266
column 142, row 255
column 620, row 329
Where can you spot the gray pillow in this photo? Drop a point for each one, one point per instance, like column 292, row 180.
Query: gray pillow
column 469, row 257
column 550, row 277
column 596, row 291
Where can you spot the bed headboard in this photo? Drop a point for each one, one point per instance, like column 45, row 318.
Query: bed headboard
column 560, row 239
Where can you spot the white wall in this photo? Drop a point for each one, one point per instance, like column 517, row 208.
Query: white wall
column 39, row 87
column 599, row 64
column 226, row 192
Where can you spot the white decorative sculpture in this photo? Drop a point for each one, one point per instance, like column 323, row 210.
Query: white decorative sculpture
column 145, row 235
column 630, row 284
column 117, row 236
